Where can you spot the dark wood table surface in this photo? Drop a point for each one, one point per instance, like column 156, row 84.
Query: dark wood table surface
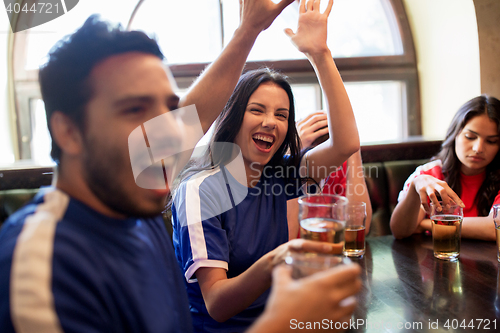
column 405, row 289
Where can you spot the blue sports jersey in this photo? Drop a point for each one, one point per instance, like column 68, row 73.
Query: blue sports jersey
column 219, row 222
column 65, row 267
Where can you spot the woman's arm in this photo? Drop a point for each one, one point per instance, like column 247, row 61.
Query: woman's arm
column 225, row 297
column 344, row 139
column 477, row 227
column 407, row 214
column 356, row 189
column 411, row 210
column 215, row 85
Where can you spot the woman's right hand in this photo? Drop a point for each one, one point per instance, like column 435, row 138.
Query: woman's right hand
column 427, row 188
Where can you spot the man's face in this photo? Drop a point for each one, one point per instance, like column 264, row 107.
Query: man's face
column 128, row 90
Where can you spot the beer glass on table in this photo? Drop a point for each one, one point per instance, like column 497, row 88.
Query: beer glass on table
column 496, row 220
column 322, row 218
column 446, row 230
column 354, row 245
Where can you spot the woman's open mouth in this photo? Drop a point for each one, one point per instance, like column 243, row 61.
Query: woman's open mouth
column 264, row 142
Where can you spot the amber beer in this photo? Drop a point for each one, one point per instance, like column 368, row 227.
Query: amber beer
column 496, row 220
column 446, row 230
column 354, row 241
column 354, row 245
column 322, row 218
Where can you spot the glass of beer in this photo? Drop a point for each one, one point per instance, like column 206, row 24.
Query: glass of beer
column 496, row 220
column 304, row 264
column 446, row 230
column 322, row 218
column 354, row 245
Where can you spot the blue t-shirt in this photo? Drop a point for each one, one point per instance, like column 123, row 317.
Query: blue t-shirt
column 65, row 267
column 219, row 222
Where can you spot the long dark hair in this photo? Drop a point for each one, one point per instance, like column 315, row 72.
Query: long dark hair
column 477, row 106
column 229, row 122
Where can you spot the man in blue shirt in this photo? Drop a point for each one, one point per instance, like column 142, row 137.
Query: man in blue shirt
column 91, row 254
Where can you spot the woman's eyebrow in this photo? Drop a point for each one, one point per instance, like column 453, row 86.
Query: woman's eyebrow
column 263, row 106
column 489, row 136
column 259, row 104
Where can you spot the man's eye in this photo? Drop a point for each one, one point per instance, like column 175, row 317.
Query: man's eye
column 135, row 109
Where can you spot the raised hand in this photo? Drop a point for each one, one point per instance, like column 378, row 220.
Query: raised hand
column 257, row 15
column 310, row 37
column 428, row 187
column 312, row 127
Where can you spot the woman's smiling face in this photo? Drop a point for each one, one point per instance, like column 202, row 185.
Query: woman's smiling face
column 264, row 126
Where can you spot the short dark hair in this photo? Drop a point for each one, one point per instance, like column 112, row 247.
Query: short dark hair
column 64, row 79
column 477, row 106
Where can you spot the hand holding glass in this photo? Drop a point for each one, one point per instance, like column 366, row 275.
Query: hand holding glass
column 446, row 230
column 305, row 264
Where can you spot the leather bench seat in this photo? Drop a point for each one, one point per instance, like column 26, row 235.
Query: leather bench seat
column 384, row 181
column 12, row 200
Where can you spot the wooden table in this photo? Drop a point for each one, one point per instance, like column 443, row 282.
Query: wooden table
column 405, row 289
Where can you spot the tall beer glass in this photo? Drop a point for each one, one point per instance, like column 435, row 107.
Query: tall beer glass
column 446, row 230
column 322, row 218
column 496, row 220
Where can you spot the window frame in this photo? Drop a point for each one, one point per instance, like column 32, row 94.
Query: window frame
column 401, row 67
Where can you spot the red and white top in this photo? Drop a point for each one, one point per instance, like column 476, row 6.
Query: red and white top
column 470, row 185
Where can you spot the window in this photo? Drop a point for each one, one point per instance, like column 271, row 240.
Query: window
column 370, row 40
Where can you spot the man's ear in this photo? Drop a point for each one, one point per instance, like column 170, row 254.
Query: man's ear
column 66, row 134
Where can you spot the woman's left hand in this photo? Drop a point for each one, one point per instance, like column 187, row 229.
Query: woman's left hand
column 310, row 37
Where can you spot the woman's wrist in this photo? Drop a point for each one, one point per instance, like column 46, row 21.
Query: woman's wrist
column 319, row 56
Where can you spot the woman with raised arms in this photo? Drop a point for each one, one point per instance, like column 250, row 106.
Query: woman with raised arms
column 230, row 232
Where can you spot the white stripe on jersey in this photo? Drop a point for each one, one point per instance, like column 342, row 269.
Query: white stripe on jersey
column 193, row 214
column 31, row 298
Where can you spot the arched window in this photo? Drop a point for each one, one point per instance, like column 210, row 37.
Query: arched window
column 370, row 41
